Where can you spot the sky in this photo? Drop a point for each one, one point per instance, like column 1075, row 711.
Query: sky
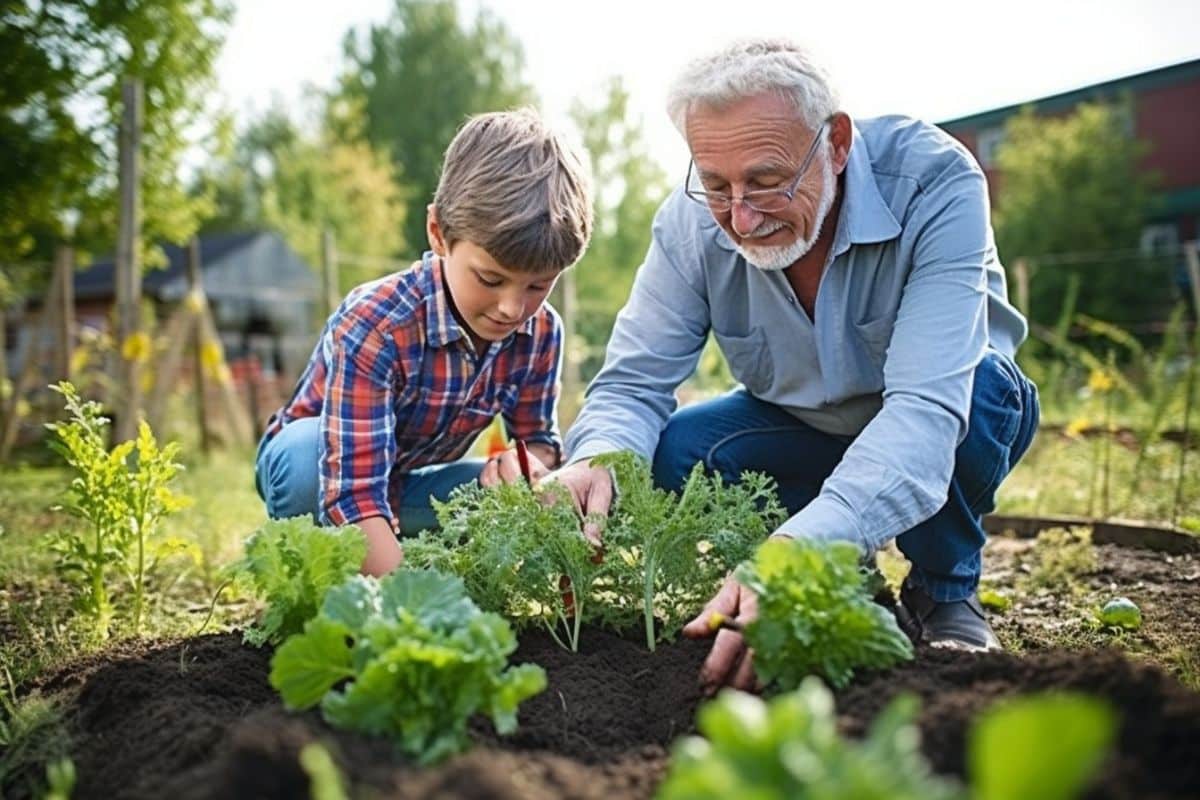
column 932, row 59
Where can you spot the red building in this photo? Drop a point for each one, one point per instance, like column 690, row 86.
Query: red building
column 1166, row 115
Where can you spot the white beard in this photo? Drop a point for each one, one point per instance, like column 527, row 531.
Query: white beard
column 771, row 259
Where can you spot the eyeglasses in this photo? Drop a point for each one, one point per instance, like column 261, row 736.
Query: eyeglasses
column 764, row 201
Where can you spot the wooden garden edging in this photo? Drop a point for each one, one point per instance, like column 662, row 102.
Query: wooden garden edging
column 1126, row 533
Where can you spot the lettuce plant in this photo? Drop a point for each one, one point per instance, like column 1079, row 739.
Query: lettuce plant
column 407, row 656
column 789, row 749
column 292, row 563
column 815, row 615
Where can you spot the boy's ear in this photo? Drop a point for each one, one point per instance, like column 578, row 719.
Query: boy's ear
column 437, row 242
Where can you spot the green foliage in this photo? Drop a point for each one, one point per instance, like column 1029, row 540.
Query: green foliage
column 123, row 494
column 280, row 177
column 292, row 563
column 790, row 749
column 815, row 616
column 1073, row 184
column 1120, row 612
column 512, row 546
column 418, row 77
column 60, row 779
column 672, row 551
column 1045, row 746
column 664, row 556
column 323, row 774
column 60, row 104
column 408, row 656
column 33, row 732
column 1061, row 557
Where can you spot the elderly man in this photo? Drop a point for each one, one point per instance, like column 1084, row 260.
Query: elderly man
column 849, row 274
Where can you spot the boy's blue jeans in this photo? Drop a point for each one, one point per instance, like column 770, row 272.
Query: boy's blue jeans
column 737, row 432
column 286, row 474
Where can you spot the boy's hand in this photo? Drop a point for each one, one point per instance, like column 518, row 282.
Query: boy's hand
column 384, row 553
column 506, row 467
column 591, row 490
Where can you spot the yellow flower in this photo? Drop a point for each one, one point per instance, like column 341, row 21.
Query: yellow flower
column 1077, row 426
column 137, row 347
column 1100, row 381
column 212, row 358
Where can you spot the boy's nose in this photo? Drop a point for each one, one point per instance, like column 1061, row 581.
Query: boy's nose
column 512, row 307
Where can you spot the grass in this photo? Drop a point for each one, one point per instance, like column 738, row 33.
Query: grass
column 1065, row 475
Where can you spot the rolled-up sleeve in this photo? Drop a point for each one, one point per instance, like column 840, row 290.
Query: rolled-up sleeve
column 897, row 472
column 655, row 345
column 357, row 443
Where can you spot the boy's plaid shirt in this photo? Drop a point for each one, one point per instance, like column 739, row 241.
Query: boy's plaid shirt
column 397, row 386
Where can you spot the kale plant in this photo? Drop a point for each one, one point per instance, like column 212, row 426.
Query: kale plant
column 407, row 656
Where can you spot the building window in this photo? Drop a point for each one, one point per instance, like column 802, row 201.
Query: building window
column 987, row 143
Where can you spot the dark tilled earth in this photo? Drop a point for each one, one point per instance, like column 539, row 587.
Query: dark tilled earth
column 197, row 718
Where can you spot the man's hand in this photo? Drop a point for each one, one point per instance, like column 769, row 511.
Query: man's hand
column 506, row 467
column 591, row 490
column 730, row 662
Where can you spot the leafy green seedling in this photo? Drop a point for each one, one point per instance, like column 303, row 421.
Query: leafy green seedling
column 122, row 494
column 1043, row 746
column 789, row 749
column 408, row 656
column 993, row 600
column 292, row 563
column 815, row 616
column 1120, row 612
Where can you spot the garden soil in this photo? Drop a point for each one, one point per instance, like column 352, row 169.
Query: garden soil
column 197, row 718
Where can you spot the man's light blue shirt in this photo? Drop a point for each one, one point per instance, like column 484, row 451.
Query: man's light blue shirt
column 911, row 296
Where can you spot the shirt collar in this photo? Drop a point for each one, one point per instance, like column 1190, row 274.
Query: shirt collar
column 444, row 328
column 864, row 218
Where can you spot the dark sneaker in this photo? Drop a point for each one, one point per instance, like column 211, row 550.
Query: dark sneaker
column 959, row 625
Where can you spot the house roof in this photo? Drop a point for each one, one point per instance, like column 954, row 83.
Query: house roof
column 254, row 264
column 1169, row 75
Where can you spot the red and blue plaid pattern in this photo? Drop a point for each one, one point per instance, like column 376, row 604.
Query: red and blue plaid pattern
column 397, row 385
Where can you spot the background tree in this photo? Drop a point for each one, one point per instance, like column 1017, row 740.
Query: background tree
column 629, row 187
column 1071, row 185
column 60, row 104
column 418, row 77
column 278, row 176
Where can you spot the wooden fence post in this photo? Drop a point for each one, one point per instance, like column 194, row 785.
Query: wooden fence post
column 1021, row 274
column 197, row 299
column 130, row 344
column 64, row 345
column 329, row 272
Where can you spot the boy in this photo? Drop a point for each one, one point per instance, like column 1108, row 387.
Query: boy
column 412, row 366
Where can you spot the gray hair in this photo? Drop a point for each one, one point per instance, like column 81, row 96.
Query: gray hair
column 518, row 189
column 753, row 67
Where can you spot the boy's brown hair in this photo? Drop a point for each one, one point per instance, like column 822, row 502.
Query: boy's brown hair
column 514, row 187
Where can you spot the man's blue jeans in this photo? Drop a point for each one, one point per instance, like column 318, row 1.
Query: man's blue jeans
column 737, row 432
column 286, row 474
